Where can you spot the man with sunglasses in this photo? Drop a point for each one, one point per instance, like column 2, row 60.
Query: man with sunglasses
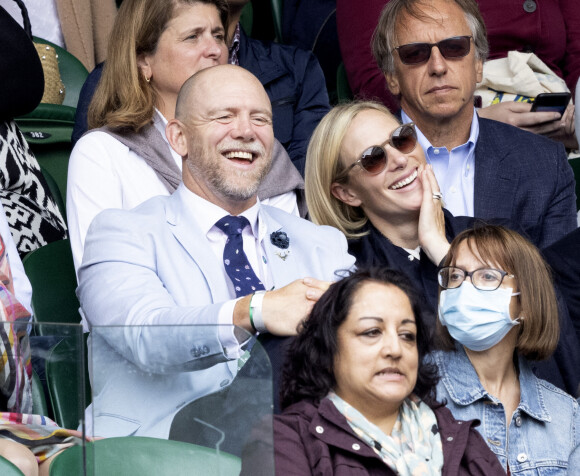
column 432, row 57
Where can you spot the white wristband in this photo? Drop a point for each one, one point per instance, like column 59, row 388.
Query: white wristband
column 257, row 319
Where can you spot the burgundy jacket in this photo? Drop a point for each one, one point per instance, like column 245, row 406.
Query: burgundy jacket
column 317, row 440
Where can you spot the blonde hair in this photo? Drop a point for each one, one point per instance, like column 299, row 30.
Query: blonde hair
column 323, row 166
column 123, row 98
column 540, row 325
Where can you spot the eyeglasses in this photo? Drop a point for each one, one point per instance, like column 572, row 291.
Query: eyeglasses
column 417, row 53
column 484, row 279
column 374, row 159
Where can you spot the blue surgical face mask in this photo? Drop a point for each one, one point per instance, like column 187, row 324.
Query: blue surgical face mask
column 477, row 319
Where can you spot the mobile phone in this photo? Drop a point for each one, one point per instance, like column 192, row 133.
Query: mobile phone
column 555, row 102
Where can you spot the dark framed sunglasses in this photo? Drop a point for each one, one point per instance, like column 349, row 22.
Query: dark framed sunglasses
column 374, row 159
column 417, row 53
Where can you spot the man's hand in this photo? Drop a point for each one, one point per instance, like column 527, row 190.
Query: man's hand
column 551, row 124
column 285, row 308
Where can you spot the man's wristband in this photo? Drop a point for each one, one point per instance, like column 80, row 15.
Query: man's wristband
column 256, row 317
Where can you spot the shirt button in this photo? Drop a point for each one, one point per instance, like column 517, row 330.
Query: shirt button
column 530, row 6
column 518, row 421
column 319, row 430
column 436, row 151
column 453, row 190
column 449, row 438
column 355, row 446
column 522, row 457
column 224, row 383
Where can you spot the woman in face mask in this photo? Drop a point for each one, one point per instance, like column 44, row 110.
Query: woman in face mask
column 497, row 310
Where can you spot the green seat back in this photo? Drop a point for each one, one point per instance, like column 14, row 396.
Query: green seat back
column 8, row 469
column 277, row 18
column 575, row 164
column 140, row 456
column 72, row 73
column 343, row 90
column 39, row 406
column 50, row 270
column 68, row 382
column 48, row 131
column 247, row 19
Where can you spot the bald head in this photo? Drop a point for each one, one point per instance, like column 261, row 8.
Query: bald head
column 223, row 130
column 216, row 80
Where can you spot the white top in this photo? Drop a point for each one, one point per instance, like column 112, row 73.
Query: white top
column 104, row 173
column 22, row 287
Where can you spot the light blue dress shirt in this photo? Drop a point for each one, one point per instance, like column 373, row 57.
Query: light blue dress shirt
column 543, row 437
column 455, row 170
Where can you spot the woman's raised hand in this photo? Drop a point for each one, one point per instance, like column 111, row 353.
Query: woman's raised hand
column 431, row 219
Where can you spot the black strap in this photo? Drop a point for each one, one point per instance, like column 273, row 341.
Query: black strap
column 25, row 18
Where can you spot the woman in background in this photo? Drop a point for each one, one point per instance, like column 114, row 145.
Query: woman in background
column 31, row 211
column 366, row 176
column 154, row 47
column 498, row 311
column 357, row 392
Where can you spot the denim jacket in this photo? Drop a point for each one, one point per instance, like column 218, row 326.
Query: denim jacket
column 543, row 437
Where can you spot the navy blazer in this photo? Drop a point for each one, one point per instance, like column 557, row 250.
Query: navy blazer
column 526, row 179
column 564, row 259
column 295, row 85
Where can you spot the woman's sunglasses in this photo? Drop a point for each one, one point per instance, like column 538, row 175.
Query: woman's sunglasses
column 374, row 159
column 417, row 53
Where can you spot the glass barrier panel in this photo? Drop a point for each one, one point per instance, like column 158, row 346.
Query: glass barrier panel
column 42, row 394
column 194, row 399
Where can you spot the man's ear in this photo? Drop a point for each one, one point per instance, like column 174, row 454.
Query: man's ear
column 343, row 193
column 176, row 136
column 479, row 70
column 393, row 83
column 144, row 66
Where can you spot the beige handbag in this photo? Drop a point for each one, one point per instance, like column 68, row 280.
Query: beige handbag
column 53, row 86
column 518, row 77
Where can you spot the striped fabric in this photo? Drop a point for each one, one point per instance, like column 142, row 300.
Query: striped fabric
column 43, row 436
column 15, row 367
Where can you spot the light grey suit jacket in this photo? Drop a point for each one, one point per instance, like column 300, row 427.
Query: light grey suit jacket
column 152, row 266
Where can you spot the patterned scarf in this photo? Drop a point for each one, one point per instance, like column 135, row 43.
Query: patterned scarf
column 15, row 367
column 414, row 446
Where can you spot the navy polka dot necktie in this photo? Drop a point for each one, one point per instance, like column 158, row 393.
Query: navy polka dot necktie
column 235, row 260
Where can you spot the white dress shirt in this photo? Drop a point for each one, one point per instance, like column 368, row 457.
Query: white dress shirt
column 103, row 173
column 207, row 214
column 454, row 170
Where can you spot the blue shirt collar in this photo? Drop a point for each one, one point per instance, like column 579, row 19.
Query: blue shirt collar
column 426, row 145
column 464, row 387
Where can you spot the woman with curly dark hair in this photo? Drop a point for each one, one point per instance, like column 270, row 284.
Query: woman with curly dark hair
column 358, row 394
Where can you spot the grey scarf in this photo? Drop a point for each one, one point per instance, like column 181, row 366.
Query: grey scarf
column 149, row 144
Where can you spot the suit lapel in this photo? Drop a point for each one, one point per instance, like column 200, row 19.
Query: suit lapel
column 283, row 270
column 183, row 225
column 495, row 180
